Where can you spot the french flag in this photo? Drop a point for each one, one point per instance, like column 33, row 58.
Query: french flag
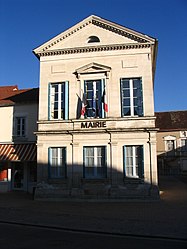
column 84, row 104
column 104, row 100
column 94, row 97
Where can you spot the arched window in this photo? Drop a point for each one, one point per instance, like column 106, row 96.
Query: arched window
column 93, row 39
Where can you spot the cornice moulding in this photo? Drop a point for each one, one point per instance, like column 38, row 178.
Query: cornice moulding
column 101, row 48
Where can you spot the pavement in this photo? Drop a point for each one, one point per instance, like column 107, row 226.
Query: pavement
column 165, row 218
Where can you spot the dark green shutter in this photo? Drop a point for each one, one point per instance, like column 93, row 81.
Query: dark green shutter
column 84, row 153
column 140, row 98
column 140, row 162
column 49, row 162
column 124, row 160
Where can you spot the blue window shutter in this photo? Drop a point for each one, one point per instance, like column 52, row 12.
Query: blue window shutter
column 49, row 101
column 124, row 160
column 105, row 160
column 64, row 160
column 66, row 100
column 84, row 154
column 140, row 98
column 49, row 162
column 121, row 95
column 140, row 162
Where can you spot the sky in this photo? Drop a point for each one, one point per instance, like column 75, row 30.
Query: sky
column 26, row 24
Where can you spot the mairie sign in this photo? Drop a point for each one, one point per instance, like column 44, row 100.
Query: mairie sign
column 88, row 125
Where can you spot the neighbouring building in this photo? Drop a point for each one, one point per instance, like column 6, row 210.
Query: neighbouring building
column 18, row 161
column 96, row 133
column 172, row 142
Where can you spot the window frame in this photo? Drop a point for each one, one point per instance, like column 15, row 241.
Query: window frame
column 23, row 131
column 174, row 140
column 96, row 167
column 65, row 100
column 137, row 166
column 132, row 97
column 59, row 165
column 183, row 146
column 100, row 113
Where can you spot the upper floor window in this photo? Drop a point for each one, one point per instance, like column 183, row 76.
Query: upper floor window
column 20, row 126
column 93, row 39
column 131, row 97
column 94, row 104
column 133, row 161
column 58, row 100
column 95, row 162
column 57, row 162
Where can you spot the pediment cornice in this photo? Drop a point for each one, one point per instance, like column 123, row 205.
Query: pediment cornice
column 79, row 50
column 100, row 22
column 92, row 67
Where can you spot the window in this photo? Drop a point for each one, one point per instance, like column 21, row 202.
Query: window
column 133, row 161
column 131, row 97
column 93, row 39
column 57, row 162
column 184, row 145
column 95, row 162
column 170, row 145
column 20, row 126
column 58, row 100
column 94, row 90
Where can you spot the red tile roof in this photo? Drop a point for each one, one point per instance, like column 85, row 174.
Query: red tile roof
column 173, row 120
column 9, row 95
column 6, row 91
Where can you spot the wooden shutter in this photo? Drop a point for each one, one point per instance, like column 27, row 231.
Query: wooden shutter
column 140, row 161
column 66, row 100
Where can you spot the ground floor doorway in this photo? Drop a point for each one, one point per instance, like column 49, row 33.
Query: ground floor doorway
column 18, row 176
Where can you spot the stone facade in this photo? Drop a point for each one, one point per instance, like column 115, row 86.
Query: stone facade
column 97, row 57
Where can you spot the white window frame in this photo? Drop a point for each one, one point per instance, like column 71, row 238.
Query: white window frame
column 60, row 163
column 52, row 100
column 167, row 139
column 131, row 88
column 135, row 160
column 95, row 163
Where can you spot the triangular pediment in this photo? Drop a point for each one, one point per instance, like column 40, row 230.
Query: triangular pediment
column 77, row 36
column 93, row 68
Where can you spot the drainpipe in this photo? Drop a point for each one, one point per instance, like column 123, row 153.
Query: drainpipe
column 110, row 142
column 149, row 142
column 72, row 159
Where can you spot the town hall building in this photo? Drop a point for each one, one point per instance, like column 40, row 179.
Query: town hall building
column 96, row 133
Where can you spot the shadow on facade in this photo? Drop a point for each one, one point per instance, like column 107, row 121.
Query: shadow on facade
column 173, row 162
column 78, row 186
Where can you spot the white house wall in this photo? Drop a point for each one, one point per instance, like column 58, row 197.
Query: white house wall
column 30, row 111
column 6, row 117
